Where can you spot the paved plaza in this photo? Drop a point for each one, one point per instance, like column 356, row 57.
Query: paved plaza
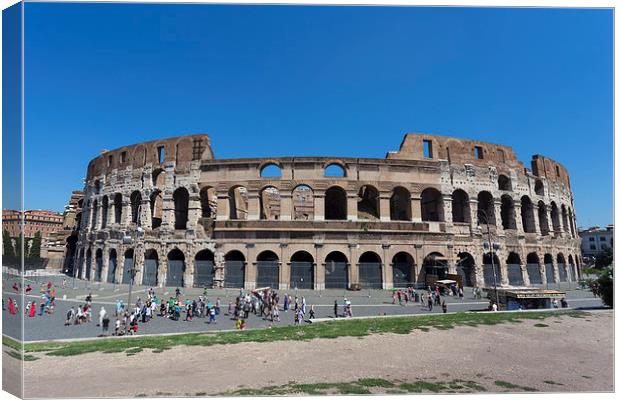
column 365, row 303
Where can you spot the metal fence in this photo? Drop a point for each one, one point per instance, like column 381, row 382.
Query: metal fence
column 268, row 274
column 336, row 276
column 302, row 275
column 515, row 276
column 533, row 273
column 370, row 275
column 99, row 268
column 562, row 271
column 203, row 273
column 174, row 275
column 401, row 274
column 111, row 270
column 549, row 273
column 127, row 266
column 487, row 273
column 149, row 277
column 234, row 274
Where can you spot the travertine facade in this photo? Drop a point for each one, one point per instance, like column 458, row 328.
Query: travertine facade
column 183, row 217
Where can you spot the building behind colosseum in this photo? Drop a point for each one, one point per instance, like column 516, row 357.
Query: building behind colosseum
column 184, row 218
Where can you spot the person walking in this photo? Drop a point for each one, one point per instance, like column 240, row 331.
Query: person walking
column 311, row 312
column 461, row 294
column 102, row 314
column 430, row 303
column 444, row 306
column 105, row 323
column 212, row 315
column 335, row 308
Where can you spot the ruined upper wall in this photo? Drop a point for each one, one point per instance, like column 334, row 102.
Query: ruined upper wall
column 550, row 169
column 181, row 149
column 455, row 150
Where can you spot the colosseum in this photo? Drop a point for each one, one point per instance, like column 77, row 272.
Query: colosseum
column 171, row 214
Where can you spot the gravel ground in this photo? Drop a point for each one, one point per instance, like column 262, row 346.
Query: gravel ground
column 576, row 354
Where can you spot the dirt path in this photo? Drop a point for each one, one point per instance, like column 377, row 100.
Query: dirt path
column 576, row 354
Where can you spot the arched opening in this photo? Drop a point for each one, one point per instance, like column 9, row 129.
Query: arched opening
column 89, row 263
column 533, row 270
column 571, row 269
column 542, row 218
column 460, row 207
column 435, row 266
column 504, row 183
column 70, row 255
column 234, row 269
column 238, row 202
column 157, row 209
column 204, row 269
column 181, row 207
column 491, row 270
column 403, row 270
column 561, row 267
column 565, row 220
column 270, row 203
column 104, row 212
column 303, row 203
column 135, row 199
column 118, row 208
column 208, row 202
column 508, row 213
column 302, row 271
column 334, row 170
column 80, row 265
column 335, row 203
column 486, row 208
column 466, row 269
column 400, row 204
column 336, row 271
column 513, row 265
column 370, row 275
column 159, row 178
column 78, row 220
column 527, row 215
column 268, row 270
column 432, row 205
column 151, row 265
column 176, row 268
column 127, row 267
column 368, row 203
column 271, row 171
column 111, row 278
column 549, row 268
column 555, row 217
column 98, row 264
column 539, row 188
column 93, row 224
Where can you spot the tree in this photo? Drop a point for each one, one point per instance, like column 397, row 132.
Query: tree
column 7, row 245
column 35, row 247
column 604, row 259
column 19, row 240
column 603, row 285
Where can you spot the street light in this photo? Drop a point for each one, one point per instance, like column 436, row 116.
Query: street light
column 491, row 247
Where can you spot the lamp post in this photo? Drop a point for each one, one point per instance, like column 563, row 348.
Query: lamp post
column 486, row 220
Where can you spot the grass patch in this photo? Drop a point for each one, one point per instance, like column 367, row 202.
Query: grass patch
column 375, row 382
column 423, row 386
column 509, row 385
column 323, row 330
column 12, row 343
column 539, row 325
column 18, row 356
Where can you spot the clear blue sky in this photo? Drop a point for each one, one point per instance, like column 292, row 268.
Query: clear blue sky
column 275, row 81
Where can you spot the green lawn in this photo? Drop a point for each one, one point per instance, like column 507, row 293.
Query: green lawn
column 323, row 330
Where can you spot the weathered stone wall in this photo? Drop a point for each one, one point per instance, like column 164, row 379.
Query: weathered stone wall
column 403, row 207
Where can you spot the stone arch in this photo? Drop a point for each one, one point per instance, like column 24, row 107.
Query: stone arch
column 533, row 268
column 136, row 203
column 98, row 264
column 460, row 206
column 486, row 208
column 303, row 203
column 370, row 270
column 176, row 268
column 334, row 169
column 157, row 209
column 112, row 263
column 466, row 269
column 208, row 202
column 504, row 183
column 118, row 208
column 336, row 271
column 527, row 215
column 159, row 178
column 302, row 270
column 269, row 203
column 151, row 267
column 270, row 169
column 335, row 203
column 204, row 268
column 181, row 207
column 555, row 217
column 549, row 268
column 542, row 218
column 434, row 267
column 128, row 265
column 565, row 220
column 93, row 223
column 139, row 156
column 238, row 202
column 403, row 269
column 561, row 262
column 104, row 211
column 508, row 213
column 368, row 202
column 491, row 267
column 400, row 204
column 268, row 270
column 431, row 205
column 89, row 263
column 234, row 269
column 571, row 267
column 513, row 265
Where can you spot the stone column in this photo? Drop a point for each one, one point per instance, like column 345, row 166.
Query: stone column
column 105, row 263
column 518, row 219
column 194, row 211
column 253, row 205
column 126, row 215
column 138, row 264
column 97, row 222
column 284, row 269
column 220, row 264
column 319, row 205
column 447, row 208
column 250, row 266
column 384, row 206
column 543, row 275
column 120, row 265
column 497, row 210
column 525, row 274
column 286, row 206
column 473, row 209
column 416, row 207
column 388, row 281
column 353, row 267
column 167, row 211
column 145, row 213
column 319, row 268
column 188, row 275
column 352, row 206
column 536, row 220
column 223, row 213
column 162, row 269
